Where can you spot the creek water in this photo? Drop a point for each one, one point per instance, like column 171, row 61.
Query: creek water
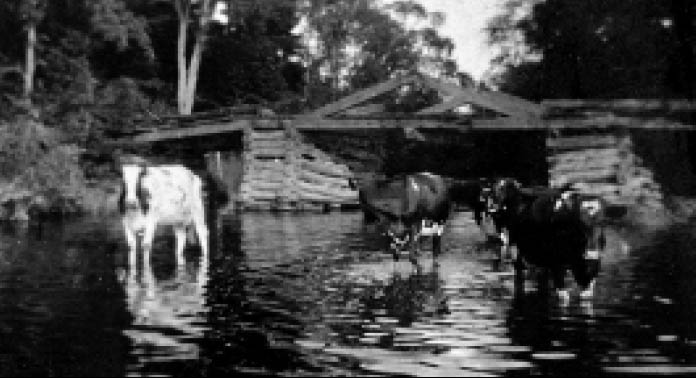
column 298, row 294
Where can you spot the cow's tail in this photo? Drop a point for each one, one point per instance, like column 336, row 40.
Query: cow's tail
column 368, row 210
column 218, row 194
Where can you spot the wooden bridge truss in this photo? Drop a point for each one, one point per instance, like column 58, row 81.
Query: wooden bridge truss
column 587, row 141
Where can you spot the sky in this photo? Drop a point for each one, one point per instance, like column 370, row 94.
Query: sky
column 464, row 24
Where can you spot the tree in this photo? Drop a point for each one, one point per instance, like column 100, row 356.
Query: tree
column 250, row 59
column 360, row 43
column 188, row 67
column 596, row 48
column 32, row 11
column 21, row 17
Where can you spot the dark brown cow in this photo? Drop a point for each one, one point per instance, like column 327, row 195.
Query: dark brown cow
column 415, row 205
column 555, row 229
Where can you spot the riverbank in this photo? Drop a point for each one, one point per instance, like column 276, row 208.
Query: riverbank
column 17, row 204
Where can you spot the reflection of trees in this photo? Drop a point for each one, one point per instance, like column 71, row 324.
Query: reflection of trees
column 59, row 307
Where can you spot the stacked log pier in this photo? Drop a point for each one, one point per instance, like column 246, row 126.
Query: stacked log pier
column 603, row 164
column 283, row 172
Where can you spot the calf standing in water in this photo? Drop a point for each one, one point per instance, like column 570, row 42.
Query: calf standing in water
column 161, row 195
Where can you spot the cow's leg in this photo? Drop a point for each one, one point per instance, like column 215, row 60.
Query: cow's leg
column 585, row 273
column 202, row 233
column 519, row 276
column 148, row 279
column 180, row 236
column 505, row 248
column 132, row 240
column 201, row 228
column 588, row 291
column 414, row 246
column 437, row 245
column 559, row 284
column 479, row 219
column 148, row 237
column 437, row 238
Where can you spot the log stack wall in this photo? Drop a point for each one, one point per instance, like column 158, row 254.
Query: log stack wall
column 284, row 172
column 603, row 164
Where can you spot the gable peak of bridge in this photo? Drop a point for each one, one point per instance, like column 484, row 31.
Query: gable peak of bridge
column 452, row 95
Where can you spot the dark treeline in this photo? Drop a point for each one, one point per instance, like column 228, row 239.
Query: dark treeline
column 596, row 48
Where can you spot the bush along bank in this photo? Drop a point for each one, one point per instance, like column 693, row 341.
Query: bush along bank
column 40, row 176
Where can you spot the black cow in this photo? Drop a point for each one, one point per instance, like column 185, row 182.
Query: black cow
column 555, row 229
column 415, row 205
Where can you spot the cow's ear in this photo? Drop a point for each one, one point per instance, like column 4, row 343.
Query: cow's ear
column 144, row 169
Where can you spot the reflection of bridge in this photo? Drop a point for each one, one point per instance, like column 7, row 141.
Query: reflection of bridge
column 584, row 142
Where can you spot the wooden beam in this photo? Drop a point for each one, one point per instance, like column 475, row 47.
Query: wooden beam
column 497, row 101
column 615, row 122
column 582, row 142
column 442, row 107
column 362, row 96
column 365, row 110
column 305, row 123
column 637, row 105
column 502, row 123
column 189, row 132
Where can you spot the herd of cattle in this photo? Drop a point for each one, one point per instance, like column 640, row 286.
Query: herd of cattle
column 552, row 228
column 556, row 229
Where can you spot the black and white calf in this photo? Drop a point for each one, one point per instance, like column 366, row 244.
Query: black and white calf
column 170, row 195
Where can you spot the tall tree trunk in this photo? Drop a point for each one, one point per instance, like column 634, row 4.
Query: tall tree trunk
column 182, row 10
column 188, row 71
column 194, row 66
column 30, row 61
column 192, row 79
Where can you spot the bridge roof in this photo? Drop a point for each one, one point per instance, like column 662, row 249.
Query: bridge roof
column 360, row 111
column 452, row 95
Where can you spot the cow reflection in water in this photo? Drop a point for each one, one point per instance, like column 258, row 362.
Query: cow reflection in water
column 409, row 297
column 166, row 314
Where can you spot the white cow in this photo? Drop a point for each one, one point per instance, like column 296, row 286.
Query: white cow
column 162, row 195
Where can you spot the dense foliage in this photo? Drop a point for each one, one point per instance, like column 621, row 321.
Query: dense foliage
column 101, row 65
column 596, row 48
column 75, row 73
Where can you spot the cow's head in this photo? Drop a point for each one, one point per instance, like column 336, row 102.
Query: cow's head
column 398, row 234
column 134, row 195
column 587, row 212
column 502, row 195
